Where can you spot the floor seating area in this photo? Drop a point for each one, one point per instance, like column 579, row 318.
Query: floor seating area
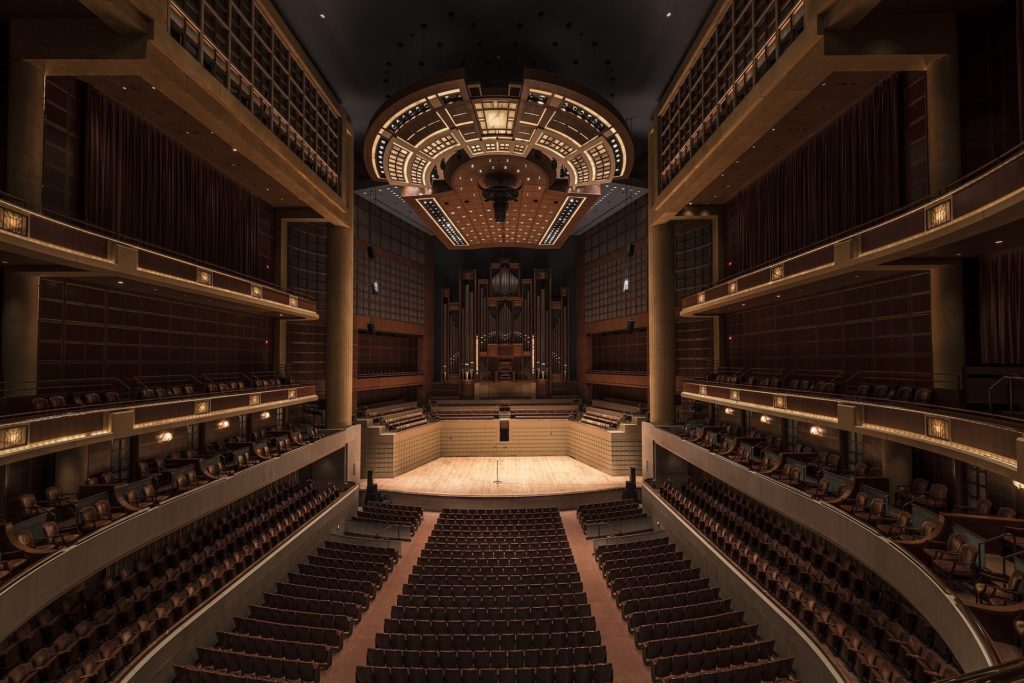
column 561, row 410
column 683, row 627
column 58, row 519
column 386, row 513
column 608, row 513
column 299, row 628
column 96, row 631
column 861, row 619
column 495, row 597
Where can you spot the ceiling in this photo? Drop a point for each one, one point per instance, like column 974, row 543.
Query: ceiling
column 624, row 52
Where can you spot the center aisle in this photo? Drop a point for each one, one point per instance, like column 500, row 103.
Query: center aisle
column 343, row 668
column 623, row 654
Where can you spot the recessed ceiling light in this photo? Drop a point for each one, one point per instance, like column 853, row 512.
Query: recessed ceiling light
column 120, row 282
column 323, row 16
column 234, row 149
column 668, row 14
column 999, row 241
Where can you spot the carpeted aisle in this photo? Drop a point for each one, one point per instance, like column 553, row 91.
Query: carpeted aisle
column 353, row 652
column 625, row 658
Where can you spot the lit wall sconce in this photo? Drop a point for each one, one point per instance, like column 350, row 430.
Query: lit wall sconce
column 730, row 411
column 938, row 428
column 202, row 407
column 12, row 221
column 293, row 301
column 703, row 391
column 256, row 291
column 940, row 214
column 265, row 415
column 700, row 297
column 1018, row 484
column 625, row 284
column 376, row 287
column 254, row 399
column 734, row 394
column 13, row 437
column 203, row 277
column 778, row 272
column 817, row 431
column 223, row 424
column 779, row 402
column 766, row 419
column 164, row 437
column 733, row 286
column 292, row 393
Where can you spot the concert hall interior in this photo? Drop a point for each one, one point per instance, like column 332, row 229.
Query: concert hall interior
column 466, row 342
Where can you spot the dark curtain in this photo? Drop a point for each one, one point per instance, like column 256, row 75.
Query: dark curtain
column 847, row 174
column 143, row 185
column 1001, row 288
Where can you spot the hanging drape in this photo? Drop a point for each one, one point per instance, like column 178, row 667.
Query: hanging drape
column 1001, row 289
column 143, row 185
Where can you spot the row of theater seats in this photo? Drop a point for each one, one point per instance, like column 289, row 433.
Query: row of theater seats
column 104, row 395
column 864, row 621
column 608, row 513
column 406, row 419
column 296, row 631
column 64, row 519
column 97, row 631
column 601, row 417
column 458, row 411
column 386, row 513
column 543, row 411
column 685, row 630
column 495, row 597
column 861, row 390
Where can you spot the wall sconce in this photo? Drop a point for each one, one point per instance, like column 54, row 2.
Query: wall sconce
column 730, row 411
column 15, row 436
column 779, row 402
column 202, row 407
column 940, row 214
column 376, row 287
column 256, row 291
column 778, row 272
column 938, row 428
column 293, row 301
column 223, row 424
column 292, row 393
column 265, row 415
column 733, row 286
column 703, row 391
column 164, row 437
column 734, row 394
column 12, row 221
column 254, row 399
column 766, row 419
column 203, row 277
column 700, row 297
column 625, row 284
column 1018, row 484
column 817, row 431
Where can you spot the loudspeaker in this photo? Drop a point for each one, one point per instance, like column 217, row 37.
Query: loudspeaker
column 369, row 252
column 630, row 493
column 630, row 324
column 370, row 327
column 629, row 251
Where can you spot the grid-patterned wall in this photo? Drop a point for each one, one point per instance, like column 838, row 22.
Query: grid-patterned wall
column 307, row 276
column 611, row 452
column 389, row 288
column 615, row 232
column 605, row 291
column 620, row 352
column 693, row 269
column 62, row 145
column 86, row 332
column 882, row 326
column 385, row 354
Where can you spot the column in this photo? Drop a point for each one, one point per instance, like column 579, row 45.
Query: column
column 19, row 338
column 340, row 319
column 26, row 96
column 943, row 122
column 947, row 322
column 661, row 326
column 897, row 464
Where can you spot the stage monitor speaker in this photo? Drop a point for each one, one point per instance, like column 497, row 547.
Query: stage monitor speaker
column 369, row 252
column 370, row 327
column 630, row 324
column 629, row 252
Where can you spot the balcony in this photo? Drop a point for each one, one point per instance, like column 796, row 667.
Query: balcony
column 48, row 245
column 947, row 226
column 979, row 439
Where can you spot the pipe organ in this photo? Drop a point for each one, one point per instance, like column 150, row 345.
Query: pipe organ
column 505, row 328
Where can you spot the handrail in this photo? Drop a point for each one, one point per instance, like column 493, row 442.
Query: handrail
column 1007, row 672
column 1009, row 379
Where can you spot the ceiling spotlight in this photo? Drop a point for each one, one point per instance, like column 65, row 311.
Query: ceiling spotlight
column 999, row 241
column 234, row 149
column 668, row 14
column 323, row 16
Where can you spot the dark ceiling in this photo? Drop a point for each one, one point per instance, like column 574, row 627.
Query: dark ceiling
column 624, row 51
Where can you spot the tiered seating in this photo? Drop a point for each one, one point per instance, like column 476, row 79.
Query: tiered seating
column 375, row 411
column 97, row 632
column 608, row 512
column 404, row 515
column 495, row 596
column 830, row 383
column 443, row 410
column 619, row 406
column 684, row 628
column 863, row 620
column 297, row 630
column 548, row 411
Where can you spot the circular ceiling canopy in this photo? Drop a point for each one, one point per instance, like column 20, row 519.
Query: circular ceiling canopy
column 571, row 142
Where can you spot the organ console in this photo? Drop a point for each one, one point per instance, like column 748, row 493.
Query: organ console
column 505, row 335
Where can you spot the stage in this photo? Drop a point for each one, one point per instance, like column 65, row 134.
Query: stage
column 526, row 481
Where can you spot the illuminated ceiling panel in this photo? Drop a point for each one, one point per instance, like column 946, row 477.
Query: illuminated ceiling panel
column 428, row 141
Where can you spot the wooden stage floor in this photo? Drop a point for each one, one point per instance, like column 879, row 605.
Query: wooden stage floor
column 520, row 476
